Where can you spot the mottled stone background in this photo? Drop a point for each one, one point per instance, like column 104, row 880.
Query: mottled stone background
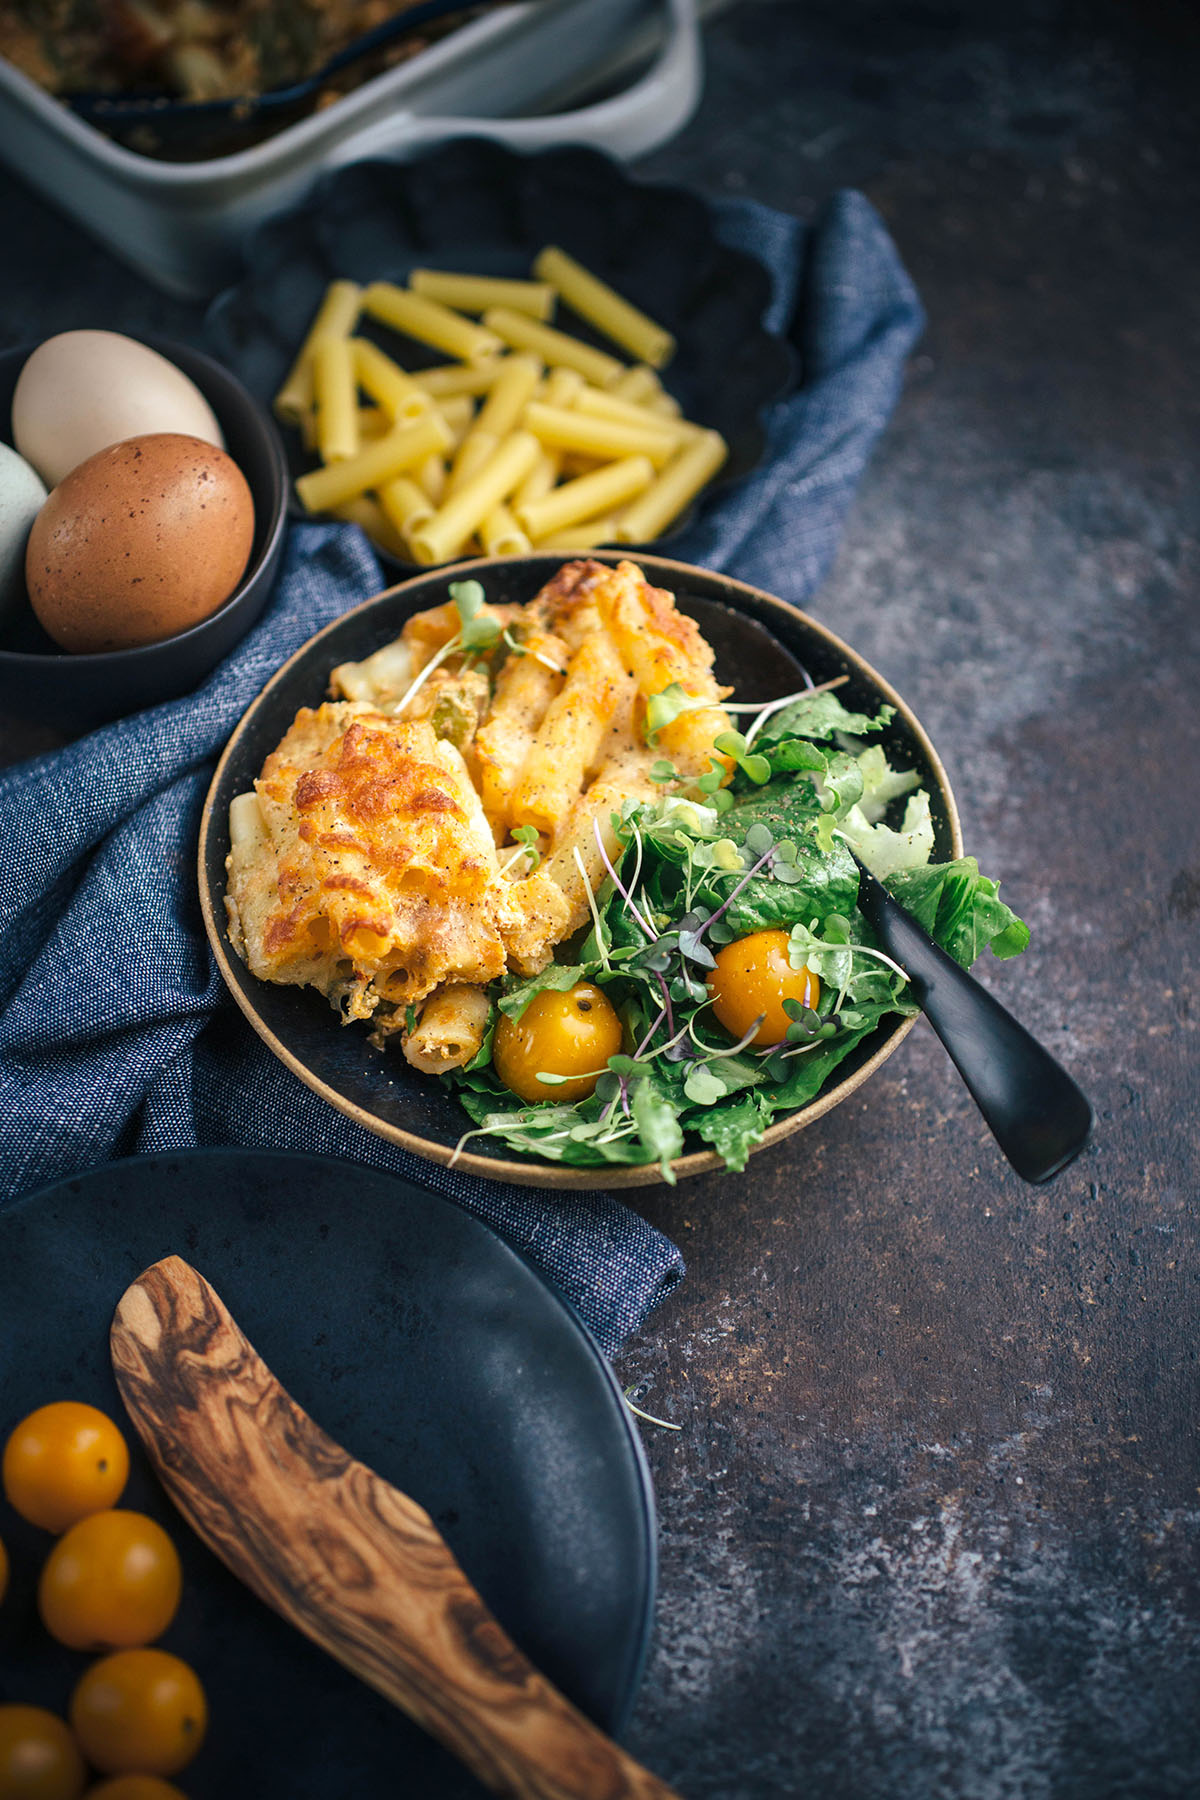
column 930, row 1526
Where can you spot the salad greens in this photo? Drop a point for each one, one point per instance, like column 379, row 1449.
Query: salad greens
column 771, row 850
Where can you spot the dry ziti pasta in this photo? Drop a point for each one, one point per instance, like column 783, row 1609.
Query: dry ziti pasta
column 613, row 459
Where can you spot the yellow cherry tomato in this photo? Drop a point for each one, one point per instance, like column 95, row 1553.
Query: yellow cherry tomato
column 571, row 1034
column 752, row 979
column 135, row 1787
column 139, row 1712
column 64, row 1461
column 39, row 1759
column 111, row 1582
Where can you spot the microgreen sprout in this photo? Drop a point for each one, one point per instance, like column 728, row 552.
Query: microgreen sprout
column 755, row 767
column 674, row 701
column 774, row 706
column 435, row 662
column 517, row 648
column 649, row 1417
column 712, row 1055
column 598, row 928
column 477, row 632
column 709, row 785
column 527, row 837
column 551, row 1080
column 606, row 859
column 474, row 633
column 637, row 867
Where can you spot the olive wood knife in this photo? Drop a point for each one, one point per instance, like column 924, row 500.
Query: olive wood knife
column 348, row 1559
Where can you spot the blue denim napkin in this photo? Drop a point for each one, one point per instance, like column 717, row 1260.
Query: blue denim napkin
column 117, row 1036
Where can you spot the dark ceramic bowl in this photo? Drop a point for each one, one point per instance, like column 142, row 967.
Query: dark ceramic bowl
column 478, row 208
column 747, row 629
column 74, row 693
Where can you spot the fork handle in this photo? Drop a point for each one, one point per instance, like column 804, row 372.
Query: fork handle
column 1038, row 1115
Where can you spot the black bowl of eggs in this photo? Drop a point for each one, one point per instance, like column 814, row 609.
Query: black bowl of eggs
column 143, row 502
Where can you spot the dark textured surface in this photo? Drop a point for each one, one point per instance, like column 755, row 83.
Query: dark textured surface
column 930, row 1526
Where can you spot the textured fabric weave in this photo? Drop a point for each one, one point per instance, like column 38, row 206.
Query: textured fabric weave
column 117, row 1036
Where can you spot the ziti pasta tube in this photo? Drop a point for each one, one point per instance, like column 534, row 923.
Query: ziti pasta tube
column 639, row 384
column 473, row 452
column 459, row 378
column 499, row 415
column 541, row 478
column 458, row 410
column 463, row 512
column 406, row 506
column 500, row 534
column 506, row 398
column 525, row 686
column 554, row 347
column 364, row 511
column 584, row 536
column 604, row 308
column 387, row 382
column 430, row 476
column 336, row 316
column 559, row 389
column 403, row 448
column 570, row 737
column 429, row 322
column 450, row 1029
column 335, row 396
column 681, row 480
column 585, row 497
column 600, row 403
column 563, row 428
column 475, row 293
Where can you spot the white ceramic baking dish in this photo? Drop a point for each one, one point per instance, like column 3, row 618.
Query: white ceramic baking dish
column 180, row 224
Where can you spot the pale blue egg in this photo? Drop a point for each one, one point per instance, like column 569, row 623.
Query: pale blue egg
column 22, row 495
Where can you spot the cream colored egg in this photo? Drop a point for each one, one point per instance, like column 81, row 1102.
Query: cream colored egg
column 141, row 541
column 83, row 390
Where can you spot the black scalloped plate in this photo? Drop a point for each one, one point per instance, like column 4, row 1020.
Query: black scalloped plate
column 418, row 1339
column 476, row 207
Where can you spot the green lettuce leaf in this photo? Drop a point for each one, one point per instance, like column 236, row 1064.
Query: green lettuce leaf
column 960, row 909
column 657, row 1120
column 732, row 1130
column 821, row 717
column 881, row 783
column 557, row 977
column 886, row 851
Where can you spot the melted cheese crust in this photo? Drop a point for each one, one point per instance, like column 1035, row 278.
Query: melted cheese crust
column 381, row 876
column 374, row 861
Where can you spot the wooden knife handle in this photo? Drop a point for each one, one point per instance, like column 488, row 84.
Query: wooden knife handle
column 354, row 1563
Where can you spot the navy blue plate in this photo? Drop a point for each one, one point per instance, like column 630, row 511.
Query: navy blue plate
column 417, row 1339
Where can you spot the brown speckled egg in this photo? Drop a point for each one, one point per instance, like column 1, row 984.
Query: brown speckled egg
column 139, row 542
